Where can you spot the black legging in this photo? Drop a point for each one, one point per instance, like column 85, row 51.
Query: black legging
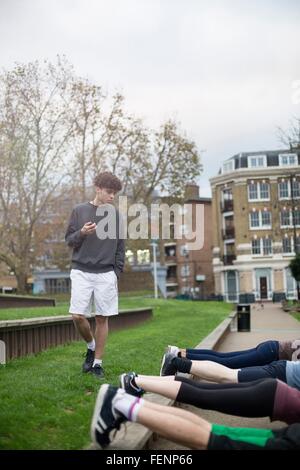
column 251, row 399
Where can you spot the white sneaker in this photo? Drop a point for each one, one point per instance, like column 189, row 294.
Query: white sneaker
column 173, row 350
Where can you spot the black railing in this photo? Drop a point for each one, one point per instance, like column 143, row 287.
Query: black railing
column 227, row 206
column 228, row 259
column 229, row 232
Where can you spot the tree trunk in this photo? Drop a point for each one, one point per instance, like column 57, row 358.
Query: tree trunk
column 22, row 282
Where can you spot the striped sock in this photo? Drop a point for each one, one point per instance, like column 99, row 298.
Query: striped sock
column 128, row 406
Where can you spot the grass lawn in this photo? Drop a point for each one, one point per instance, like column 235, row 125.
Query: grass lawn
column 62, row 307
column 296, row 315
column 47, row 403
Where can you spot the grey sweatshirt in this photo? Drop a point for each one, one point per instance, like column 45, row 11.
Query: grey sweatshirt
column 90, row 254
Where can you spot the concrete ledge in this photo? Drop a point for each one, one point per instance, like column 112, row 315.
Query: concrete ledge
column 215, row 337
column 137, row 436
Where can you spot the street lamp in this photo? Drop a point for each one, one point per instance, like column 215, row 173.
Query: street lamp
column 154, row 245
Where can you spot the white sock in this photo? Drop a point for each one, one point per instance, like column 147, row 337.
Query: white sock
column 91, row 345
column 97, row 361
column 128, row 405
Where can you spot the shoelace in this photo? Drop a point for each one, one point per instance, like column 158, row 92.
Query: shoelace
column 117, row 428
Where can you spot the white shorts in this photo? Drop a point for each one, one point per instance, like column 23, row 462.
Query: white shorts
column 98, row 288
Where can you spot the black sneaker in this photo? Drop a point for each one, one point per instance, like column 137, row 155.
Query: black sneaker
column 167, row 367
column 88, row 362
column 127, row 383
column 98, row 371
column 105, row 417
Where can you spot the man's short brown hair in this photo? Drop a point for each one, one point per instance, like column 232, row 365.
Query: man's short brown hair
column 108, row 181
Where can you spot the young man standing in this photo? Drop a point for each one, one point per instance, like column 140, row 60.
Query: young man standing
column 96, row 265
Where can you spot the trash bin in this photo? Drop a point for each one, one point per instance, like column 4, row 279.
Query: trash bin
column 243, row 317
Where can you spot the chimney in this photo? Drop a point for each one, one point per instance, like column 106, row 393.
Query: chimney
column 191, row 191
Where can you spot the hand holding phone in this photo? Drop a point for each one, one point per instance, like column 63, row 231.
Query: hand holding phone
column 88, row 228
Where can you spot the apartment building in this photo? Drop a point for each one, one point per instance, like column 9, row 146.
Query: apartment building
column 189, row 272
column 256, row 220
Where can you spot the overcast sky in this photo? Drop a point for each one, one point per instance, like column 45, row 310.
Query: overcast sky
column 224, row 68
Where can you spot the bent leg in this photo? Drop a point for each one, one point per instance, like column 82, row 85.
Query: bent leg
column 83, row 327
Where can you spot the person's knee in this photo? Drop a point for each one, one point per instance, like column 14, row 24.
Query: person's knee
column 78, row 319
column 229, row 376
column 100, row 320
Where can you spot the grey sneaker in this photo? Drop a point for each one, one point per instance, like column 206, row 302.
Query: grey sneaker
column 127, row 383
column 88, row 362
column 98, row 371
column 167, row 368
column 105, row 417
column 172, row 349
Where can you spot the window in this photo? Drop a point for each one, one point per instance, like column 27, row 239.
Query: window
column 265, row 218
column 258, row 190
column 264, row 191
column 290, row 218
column 228, row 166
column 287, row 190
column 254, row 219
column 185, row 270
column 143, row 256
column 295, row 189
column 260, row 219
column 267, row 246
column 129, row 256
column 253, row 191
column 257, row 161
column 283, row 189
column 296, row 220
column 227, row 195
column 262, row 246
column 184, row 229
column 287, row 245
column 256, row 246
column 297, row 250
column 286, row 159
column 184, row 250
column 285, row 218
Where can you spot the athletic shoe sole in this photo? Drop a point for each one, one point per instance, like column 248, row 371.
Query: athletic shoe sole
column 99, row 403
column 172, row 349
column 162, row 364
column 121, row 380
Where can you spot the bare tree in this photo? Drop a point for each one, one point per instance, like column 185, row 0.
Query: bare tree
column 291, row 137
column 105, row 136
column 34, row 133
column 56, row 127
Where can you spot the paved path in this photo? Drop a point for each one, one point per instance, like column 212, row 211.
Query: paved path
column 269, row 322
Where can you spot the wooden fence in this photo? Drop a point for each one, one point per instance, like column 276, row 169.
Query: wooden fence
column 30, row 336
column 18, row 301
